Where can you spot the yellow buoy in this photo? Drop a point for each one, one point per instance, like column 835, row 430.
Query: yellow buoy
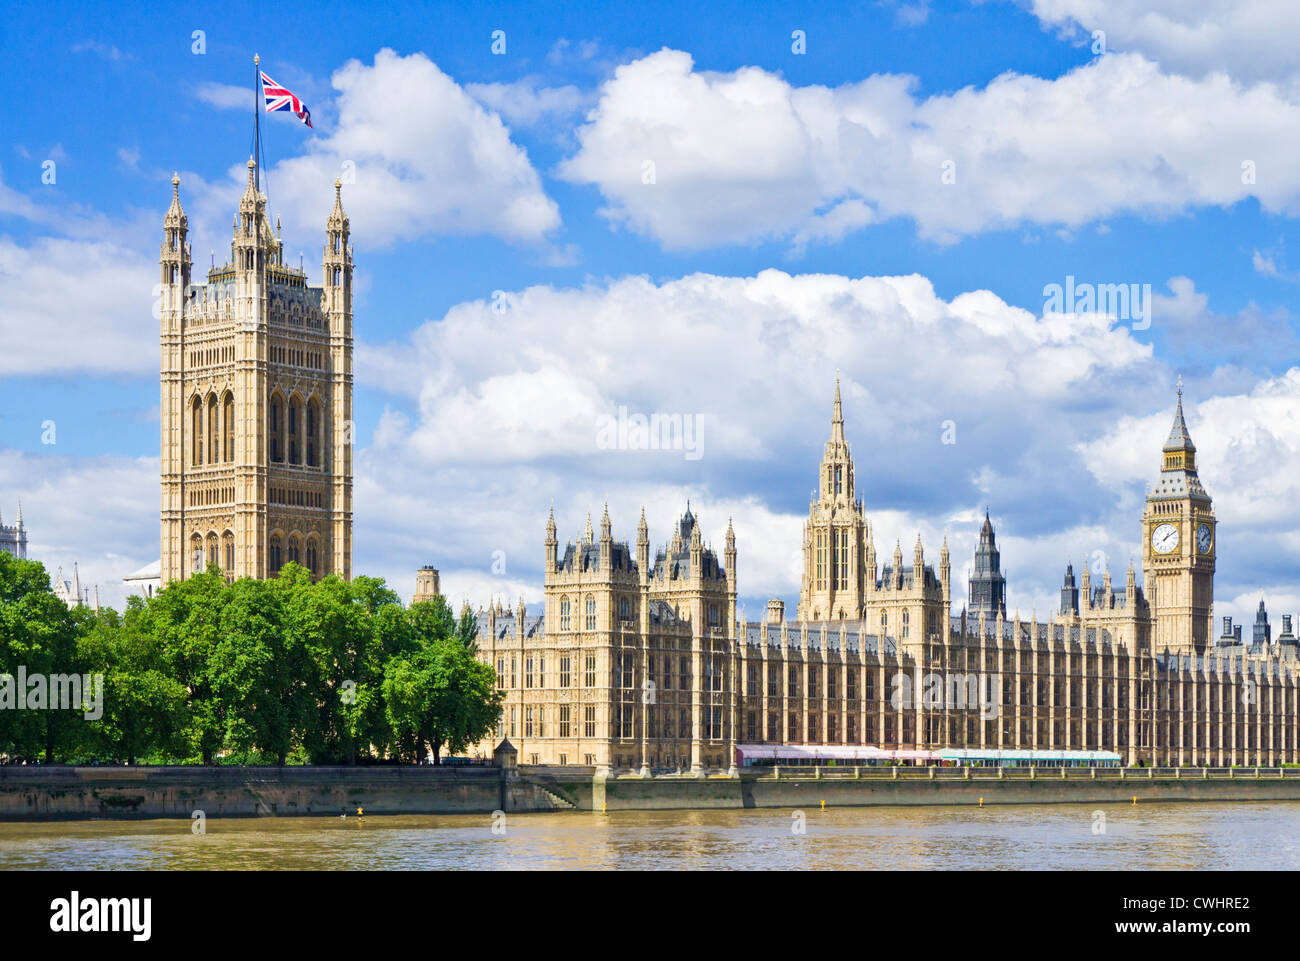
column 823, row 804
column 981, row 802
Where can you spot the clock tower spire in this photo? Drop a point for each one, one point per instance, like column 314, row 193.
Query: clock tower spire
column 1179, row 543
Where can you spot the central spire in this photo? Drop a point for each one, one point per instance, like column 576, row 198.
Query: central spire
column 837, row 415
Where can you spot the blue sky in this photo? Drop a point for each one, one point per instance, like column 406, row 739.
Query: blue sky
column 522, row 173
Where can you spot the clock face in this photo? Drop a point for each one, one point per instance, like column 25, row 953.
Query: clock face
column 1204, row 538
column 1164, row 539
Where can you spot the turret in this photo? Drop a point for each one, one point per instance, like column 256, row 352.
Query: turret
column 548, row 567
column 945, row 575
column 643, row 548
column 338, row 266
column 174, row 261
column 606, row 542
column 1069, row 593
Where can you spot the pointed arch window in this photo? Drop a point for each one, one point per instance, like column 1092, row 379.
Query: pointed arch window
column 277, row 428
column 591, row 613
column 273, row 560
column 295, row 430
column 196, row 429
column 313, row 433
column 294, row 549
column 213, row 434
column 311, row 556
column 564, row 614
column 228, row 422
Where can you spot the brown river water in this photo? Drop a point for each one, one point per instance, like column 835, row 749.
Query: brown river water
column 1250, row 836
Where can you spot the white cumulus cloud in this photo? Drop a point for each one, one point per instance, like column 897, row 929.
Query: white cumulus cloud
column 696, row 158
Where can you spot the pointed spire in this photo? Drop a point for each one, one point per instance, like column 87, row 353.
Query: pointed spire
column 588, row 535
column 338, row 220
column 837, row 415
column 1179, row 438
column 20, row 513
column 175, row 213
column 250, row 191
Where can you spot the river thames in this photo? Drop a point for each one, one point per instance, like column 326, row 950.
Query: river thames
column 1209, row 836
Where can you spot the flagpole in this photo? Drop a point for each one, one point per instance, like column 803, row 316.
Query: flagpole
column 257, row 123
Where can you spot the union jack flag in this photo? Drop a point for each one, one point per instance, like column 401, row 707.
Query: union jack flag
column 281, row 98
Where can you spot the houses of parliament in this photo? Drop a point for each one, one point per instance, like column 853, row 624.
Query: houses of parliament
column 637, row 659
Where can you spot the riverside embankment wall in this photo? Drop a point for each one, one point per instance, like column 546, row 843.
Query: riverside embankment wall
column 57, row 792
column 765, row 792
column 71, row 793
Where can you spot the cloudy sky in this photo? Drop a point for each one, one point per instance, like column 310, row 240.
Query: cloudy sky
column 701, row 212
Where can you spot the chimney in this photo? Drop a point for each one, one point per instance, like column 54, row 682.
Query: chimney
column 775, row 611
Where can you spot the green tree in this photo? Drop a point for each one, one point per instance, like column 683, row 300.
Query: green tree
column 39, row 633
column 185, row 619
column 144, row 707
column 254, row 671
column 439, row 695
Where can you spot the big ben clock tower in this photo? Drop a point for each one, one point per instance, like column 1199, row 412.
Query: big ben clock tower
column 1178, row 546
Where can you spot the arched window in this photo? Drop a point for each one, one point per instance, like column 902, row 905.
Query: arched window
column 294, row 548
column 196, row 553
column 313, row 433
column 274, row 561
column 196, row 428
column 214, row 555
column 295, row 427
column 228, row 541
column 564, row 613
column 311, row 556
column 277, row 428
column 591, row 613
column 214, row 436
column 228, row 422
column 624, row 609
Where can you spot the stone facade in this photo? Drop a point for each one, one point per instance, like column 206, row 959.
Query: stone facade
column 631, row 662
column 256, row 401
column 13, row 537
column 642, row 665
